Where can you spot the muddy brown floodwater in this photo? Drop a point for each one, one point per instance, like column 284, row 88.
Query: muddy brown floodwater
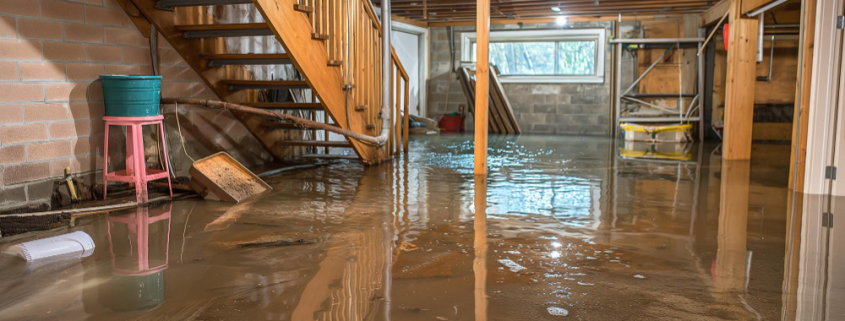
column 562, row 228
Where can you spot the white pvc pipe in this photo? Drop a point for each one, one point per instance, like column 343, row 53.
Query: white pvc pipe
column 76, row 244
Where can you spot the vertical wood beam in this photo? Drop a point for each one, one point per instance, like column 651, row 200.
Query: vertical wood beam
column 739, row 97
column 732, row 239
column 801, row 116
column 482, row 83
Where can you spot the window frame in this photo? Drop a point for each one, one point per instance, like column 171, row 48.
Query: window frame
column 547, row 35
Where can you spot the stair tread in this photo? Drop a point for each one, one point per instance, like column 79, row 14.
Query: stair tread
column 263, row 82
column 168, row 4
column 318, row 143
column 285, row 105
column 246, row 56
column 217, row 26
column 289, row 125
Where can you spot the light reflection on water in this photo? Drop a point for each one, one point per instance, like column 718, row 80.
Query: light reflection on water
column 569, row 224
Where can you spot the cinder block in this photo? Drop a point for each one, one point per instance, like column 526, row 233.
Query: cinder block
column 101, row 53
column 63, row 51
column 41, row 192
column 42, row 151
column 83, row 33
column 20, row 49
column 545, row 108
column 12, row 154
column 107, row 16
column 62, row 10
column 20, row 7
column 21, row 92
column 40, row 29
column 11, row 197
column 84, row 71
column 11, row 114
column 69, row 129
column 26, row 172
column 46, row 71
column 42, row 112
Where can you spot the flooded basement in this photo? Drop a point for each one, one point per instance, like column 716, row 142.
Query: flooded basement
column 562, row 228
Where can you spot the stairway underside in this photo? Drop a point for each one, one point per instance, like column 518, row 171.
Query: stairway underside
column 191, row 31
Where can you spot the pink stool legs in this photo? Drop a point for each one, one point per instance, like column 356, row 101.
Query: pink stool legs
column 136, row 168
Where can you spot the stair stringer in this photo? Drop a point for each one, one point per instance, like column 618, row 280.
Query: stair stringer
column 294, row 31
column 191, row 51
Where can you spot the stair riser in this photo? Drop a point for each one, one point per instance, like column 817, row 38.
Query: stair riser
column 229, row 62
column 243, row 87
column 200, row 34
column 171, row 4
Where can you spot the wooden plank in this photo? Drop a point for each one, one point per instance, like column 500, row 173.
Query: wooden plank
column 714, row 14
column 491, row 122
column 482, row 74
column 751, row 5
column 500, row 91
column 740, row 83
column 218, row 27
column 302, row 106
column 801, row 116
column 316, row 143
column 497, row 109
column 244, row 56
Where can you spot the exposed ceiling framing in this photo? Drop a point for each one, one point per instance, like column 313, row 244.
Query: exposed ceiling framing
column 464, row 10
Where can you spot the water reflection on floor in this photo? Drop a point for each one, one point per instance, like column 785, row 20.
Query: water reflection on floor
column 561, row 228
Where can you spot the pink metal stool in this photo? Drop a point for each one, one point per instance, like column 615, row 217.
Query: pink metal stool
column 135, row 156
column 137, row 226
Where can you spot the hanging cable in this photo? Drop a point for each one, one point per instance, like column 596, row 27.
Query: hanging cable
column 182, row 138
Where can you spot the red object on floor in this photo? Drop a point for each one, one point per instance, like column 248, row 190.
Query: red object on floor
column 135, row 156
column 452, row 123
column 725, row 34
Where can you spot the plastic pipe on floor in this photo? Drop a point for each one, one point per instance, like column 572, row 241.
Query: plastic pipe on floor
column 76, row 244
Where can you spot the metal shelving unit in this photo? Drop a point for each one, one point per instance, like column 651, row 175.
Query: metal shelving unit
column 623, row 93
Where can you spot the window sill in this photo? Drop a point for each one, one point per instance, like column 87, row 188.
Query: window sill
column 550, row 80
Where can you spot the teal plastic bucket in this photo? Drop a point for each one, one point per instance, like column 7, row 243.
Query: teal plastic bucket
column 131, row 96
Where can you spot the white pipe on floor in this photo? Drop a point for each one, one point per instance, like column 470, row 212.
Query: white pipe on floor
column 76, row 244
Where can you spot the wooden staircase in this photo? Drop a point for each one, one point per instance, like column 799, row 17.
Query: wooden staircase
column 334, row 44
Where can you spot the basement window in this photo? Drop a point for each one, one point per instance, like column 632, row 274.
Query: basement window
column 543, row 56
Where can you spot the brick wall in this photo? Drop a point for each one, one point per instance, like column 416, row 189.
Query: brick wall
column 51, row 55
column 566, row 109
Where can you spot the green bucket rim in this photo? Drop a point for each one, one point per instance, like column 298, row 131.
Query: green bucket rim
column 128, row 77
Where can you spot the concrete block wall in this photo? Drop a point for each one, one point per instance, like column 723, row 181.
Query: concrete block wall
column 51, row 102
column 563, row 109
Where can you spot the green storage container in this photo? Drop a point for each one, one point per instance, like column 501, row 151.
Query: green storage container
column 131, row 96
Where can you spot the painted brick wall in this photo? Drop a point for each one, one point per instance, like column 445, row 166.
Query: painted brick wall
column 51, row 55
column 566, row 109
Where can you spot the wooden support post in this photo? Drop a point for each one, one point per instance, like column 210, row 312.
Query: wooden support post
column 801, row 116
column 741, row 79
column 732, row 239
column 482, row 75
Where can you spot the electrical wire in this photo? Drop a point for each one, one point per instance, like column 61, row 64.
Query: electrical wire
column 182, row 138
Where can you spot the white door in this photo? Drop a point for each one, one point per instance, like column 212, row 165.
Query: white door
column 408, row 50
